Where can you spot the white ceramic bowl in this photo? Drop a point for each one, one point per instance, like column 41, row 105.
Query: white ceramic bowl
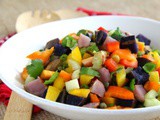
column 13, row 52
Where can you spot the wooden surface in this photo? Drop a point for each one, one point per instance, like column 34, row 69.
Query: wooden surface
column 18, row 108
column 10, row 9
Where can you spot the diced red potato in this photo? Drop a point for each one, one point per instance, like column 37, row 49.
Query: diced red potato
column 87, row 62
column 98, row 88
column 91, row 105
column 104, row 75
column 35, row 87
column 84, row 41
column 139, row 93
column 108, row 39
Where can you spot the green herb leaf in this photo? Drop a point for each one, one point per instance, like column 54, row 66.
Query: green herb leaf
column 148, row 67
column 52, row 78
column 89, row 71
column 35, row 68
column 117, row 34
column 132, row 83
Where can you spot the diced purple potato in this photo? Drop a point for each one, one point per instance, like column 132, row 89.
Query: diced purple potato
column 130, row 43
column 44, row 93
column 62, row 96
column 98, row 88
column 140, row 75
column 126, row 103
column 75, row 100
column 107, row 40
column 100, row 37
column 53, row 65
column 52, row 43
column 142, row 61
column 59, row 49
column 104, row 75
column 139, row 93
column 91, row 105
column 144, row 39
column 35, row 87
column 84, row 41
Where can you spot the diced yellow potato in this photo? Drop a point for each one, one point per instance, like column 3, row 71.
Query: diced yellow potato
column 59, row 83
column 109, row 100
column 46, row 74
column 80, row 92
column 121, row 77
column 52, row 93
column 85, row 79
column 72, row 84
column 154, row 76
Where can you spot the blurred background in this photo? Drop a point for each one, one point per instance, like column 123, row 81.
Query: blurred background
column 10, row 9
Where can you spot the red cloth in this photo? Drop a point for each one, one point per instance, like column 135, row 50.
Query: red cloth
column 92, row 12
column 5, row 92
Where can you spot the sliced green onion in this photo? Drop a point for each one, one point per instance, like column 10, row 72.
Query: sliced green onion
column 52, row 78
column 89, row 71
column 148, row 67
column 63, row 57
column 132, row 83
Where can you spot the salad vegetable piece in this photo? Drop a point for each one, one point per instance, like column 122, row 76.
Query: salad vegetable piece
column 103, row 69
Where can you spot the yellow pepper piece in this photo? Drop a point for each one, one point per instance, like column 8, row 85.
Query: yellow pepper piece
column 80, row 92
column 76, row 55
column 52, row 93
column 154, row 76
column 121, row 77
column 46, row 74
column 59, row 83
column 156, row 58
column 85, row 79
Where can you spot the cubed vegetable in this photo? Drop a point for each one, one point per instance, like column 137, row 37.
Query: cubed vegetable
column 59, row 83
column 80, row 92
column 75, row 100
column 52, row 93
column 121, row 77
column 154, row 76
column 85, row 79
column 46, row 74
column 72, row 84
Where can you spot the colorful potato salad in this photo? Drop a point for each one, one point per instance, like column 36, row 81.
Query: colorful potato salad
column 103, row 69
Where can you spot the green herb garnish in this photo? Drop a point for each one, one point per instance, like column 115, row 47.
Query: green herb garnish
column 35, row 68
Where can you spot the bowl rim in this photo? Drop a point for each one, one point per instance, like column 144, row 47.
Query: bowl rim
column 43, row 101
